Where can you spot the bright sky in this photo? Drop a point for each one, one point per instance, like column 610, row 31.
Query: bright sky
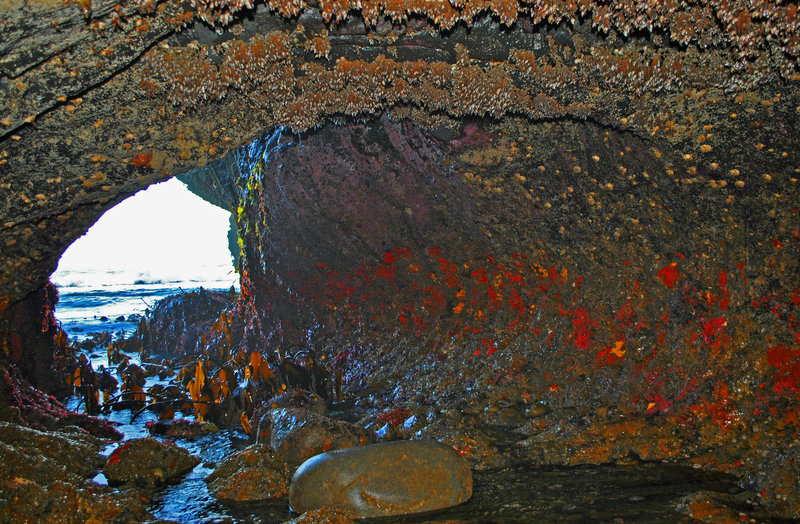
column 163, row 230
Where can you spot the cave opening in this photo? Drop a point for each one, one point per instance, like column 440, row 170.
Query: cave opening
column 160, row 241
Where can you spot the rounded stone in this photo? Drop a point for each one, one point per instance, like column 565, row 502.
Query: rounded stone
column 147, row 463
column 299, row 434
column 377, row 480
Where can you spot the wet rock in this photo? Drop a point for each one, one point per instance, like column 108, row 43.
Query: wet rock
column 261, row 420
column 21, row 403
column 146, row 462
column 298, row 434
column 503, row 414
column 572, row 440
column 708, row 506
column 475, row 446
column 321, row 516
column 395, row 423
column 392, row 478
column 47, row 478
column 387, row 432
column 254, row 473
column 77, row 452
column 538, row 410
column 24, row 500
column 181, row 428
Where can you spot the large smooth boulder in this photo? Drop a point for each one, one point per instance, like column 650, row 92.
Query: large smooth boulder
column 377, row 480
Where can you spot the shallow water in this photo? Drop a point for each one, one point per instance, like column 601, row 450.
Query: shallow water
column 525, row 493
column 189, row 500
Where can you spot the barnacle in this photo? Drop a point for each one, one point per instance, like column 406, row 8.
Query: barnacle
column 727, row 47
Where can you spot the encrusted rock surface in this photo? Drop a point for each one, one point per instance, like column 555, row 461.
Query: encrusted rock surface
column 254, row 473
column 299, row 434
column 47, row 477
column 147, row 463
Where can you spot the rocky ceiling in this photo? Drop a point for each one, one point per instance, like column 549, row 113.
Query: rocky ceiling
column 100, row 99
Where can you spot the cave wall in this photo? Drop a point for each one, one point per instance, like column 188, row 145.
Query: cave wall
column 98, row 101
column 564, row 245
column 558, row 262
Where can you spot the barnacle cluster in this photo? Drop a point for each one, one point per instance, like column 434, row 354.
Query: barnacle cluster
column 192, row 78
column 297, row 80
column 298, row 96
column 757, row 34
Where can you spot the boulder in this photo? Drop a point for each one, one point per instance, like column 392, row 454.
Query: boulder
column 299, row 434
column 261, row 420
column 46, row 477
column 254, row 473
column 147, row 463
column 377, row 480
column 299, row 398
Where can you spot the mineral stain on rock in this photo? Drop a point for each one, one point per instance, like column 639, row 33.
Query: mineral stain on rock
column 378, row 480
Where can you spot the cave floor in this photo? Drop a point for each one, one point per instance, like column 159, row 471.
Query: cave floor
column 627, row 489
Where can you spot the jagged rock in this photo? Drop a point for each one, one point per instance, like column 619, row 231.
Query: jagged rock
column 147, row 462
column 21, row 403
column 392, row 478
column 47, row 478
column 177, row 322
column 298, row 434
column 254, row 473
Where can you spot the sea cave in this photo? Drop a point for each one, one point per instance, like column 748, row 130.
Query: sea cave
column 509, row 261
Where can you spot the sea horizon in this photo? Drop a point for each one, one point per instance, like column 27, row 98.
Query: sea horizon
column 93, row 300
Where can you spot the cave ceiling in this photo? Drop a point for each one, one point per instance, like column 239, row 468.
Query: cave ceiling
column 101, row 99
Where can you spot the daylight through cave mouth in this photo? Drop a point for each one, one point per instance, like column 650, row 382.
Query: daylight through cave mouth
column 160, row 241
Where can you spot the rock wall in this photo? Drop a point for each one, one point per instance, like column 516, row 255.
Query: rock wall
column 577, row 241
